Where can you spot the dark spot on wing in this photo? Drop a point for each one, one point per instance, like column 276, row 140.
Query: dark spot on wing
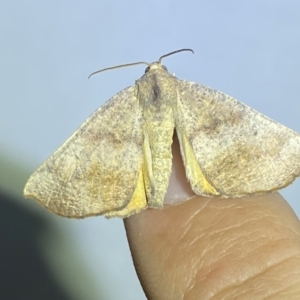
column 156, row 90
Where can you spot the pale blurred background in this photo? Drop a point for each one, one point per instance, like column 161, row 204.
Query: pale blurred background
column 247, row 49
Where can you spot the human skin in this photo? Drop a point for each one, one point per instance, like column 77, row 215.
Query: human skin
column 214, row 248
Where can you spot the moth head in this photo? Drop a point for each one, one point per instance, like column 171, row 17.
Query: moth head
column 154, row 66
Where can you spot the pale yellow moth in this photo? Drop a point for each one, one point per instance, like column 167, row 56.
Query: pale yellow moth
column 119, row 161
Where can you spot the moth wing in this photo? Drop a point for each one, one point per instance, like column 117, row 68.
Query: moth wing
column 96, row 170
column 229, row 149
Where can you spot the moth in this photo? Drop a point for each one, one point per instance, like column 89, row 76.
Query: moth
column 119, row 161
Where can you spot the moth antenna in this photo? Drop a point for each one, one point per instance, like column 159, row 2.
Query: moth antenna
column 120, row 66
column 171, row 53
